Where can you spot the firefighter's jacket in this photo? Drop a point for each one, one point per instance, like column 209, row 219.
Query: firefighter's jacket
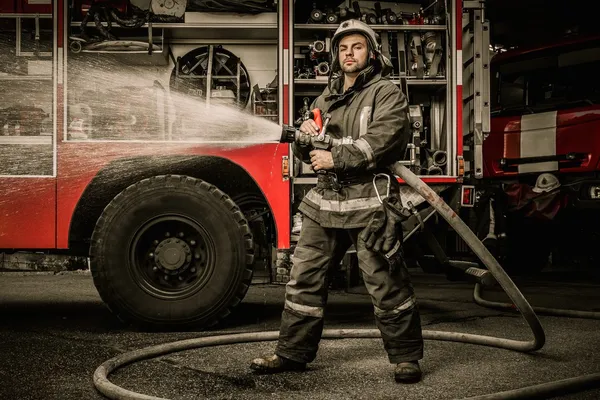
column 374, row 114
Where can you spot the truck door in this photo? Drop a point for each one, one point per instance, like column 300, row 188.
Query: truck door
column 27, row 125
column 476, row 85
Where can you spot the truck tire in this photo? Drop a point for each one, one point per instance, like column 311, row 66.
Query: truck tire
column 171, row 252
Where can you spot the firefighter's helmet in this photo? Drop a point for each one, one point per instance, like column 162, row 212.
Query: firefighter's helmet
column 546, row 182
column 355, row 26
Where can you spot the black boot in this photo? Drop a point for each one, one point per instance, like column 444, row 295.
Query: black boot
column 274, row 364
column 407, row 372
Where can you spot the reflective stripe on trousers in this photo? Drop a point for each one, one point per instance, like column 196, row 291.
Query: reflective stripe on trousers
column 396, row 313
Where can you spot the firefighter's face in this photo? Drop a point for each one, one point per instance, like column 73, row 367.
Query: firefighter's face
column 353, row 53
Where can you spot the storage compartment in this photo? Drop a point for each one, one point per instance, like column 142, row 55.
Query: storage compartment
column 34, row 6
column 26, row 127
column 415, row 40
column 427, row 152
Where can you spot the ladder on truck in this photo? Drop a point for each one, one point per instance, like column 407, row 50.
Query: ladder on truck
column 476, row 84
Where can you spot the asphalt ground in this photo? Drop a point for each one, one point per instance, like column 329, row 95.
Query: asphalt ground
column 55, row 332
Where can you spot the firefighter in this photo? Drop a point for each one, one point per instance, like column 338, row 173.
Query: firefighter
column 372, row 111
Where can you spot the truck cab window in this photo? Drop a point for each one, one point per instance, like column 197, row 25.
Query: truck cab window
column 512, row 91
column 565, row 86
column 550, row 88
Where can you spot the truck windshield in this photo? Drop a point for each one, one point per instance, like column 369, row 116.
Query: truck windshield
column 550, row 82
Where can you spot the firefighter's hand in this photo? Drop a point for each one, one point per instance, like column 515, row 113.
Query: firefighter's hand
column 310, row 126
column 321, row 160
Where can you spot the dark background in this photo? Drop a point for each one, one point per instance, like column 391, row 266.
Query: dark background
column 523, row 22
column 527, row 22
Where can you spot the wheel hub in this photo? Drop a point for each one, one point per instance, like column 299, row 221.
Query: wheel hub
column 173, row 254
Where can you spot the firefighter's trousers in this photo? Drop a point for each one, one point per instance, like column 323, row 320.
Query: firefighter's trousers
column 395, row 308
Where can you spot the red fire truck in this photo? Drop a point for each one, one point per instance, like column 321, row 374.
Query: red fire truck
column 93, row 164
column 539, row 161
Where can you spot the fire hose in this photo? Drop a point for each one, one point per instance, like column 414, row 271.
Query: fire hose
column 290, row 135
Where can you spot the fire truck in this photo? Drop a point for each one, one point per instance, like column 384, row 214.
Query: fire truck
column 536, row 180
column 96, row 162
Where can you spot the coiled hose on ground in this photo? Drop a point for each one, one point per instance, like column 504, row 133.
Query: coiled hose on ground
column 556, row 312
column 584, row 382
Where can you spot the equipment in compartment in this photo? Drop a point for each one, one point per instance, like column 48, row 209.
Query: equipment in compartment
column 233, row 6
column 21, row 120
column 207, row 71
column 319, row 55
column 168, row 8
column 385, row 16
column 264, row 102
column 393, row 13
column 125, row 15
column 417, row 55
column 334, row 15
column 313, row 61
column 415, row 117
column 426, row 154
column 101, row 12
column 364, row 16
column 426, row 54
column 325, row 14
column 316, row 15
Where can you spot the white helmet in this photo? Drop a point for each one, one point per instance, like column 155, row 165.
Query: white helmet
column 546, row 182
column 356, row 26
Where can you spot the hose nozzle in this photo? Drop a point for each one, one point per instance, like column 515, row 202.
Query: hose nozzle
column 288, row 134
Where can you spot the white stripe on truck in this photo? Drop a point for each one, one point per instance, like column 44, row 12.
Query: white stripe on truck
column 538, row 138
